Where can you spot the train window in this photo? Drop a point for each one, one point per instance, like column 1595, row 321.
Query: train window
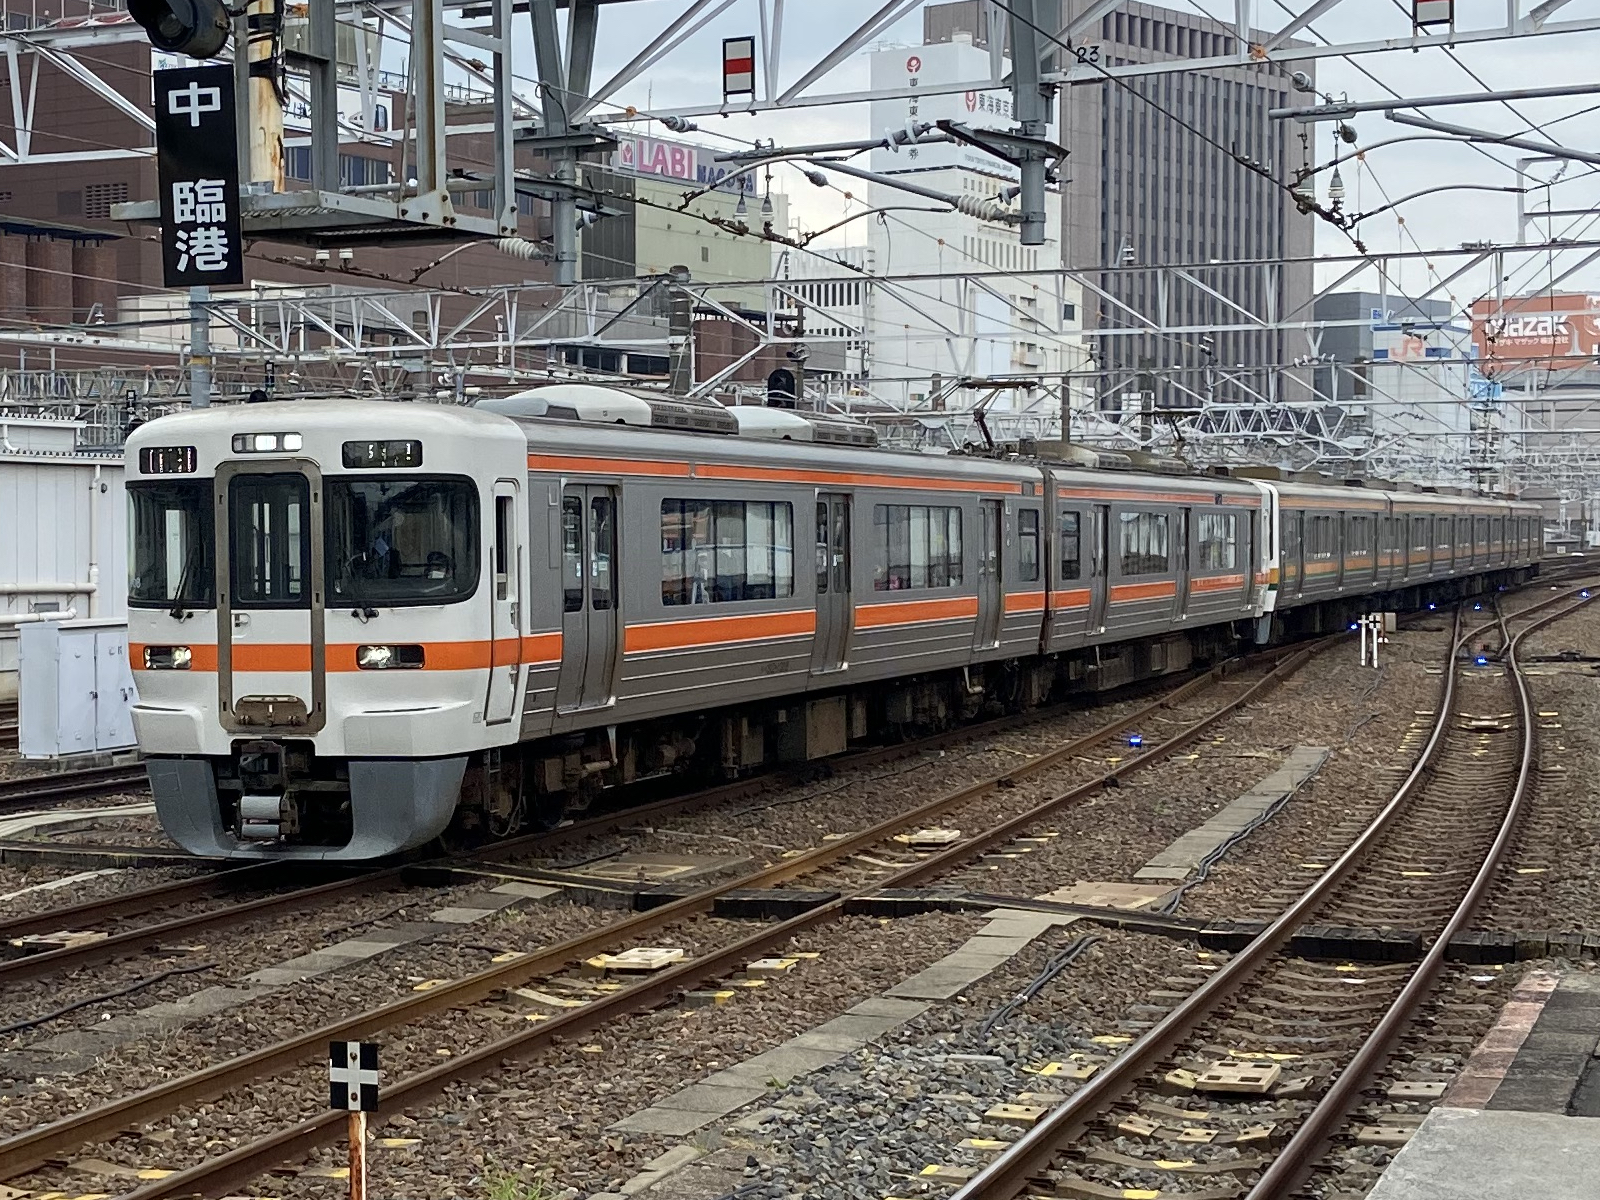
column 716, row 551
column 938, row 547
column 401, row 541
column 841, row 541
column 171, row 548
column 918, row 546
column 824, row 554
column 1419, row 533
column 1320, row 543
column 1028, row 545
column 270, row 541
column 502, row 546
column 1360, row 537
column 602, row 550
column 1071, row 547
column 1217, row 542
column 571, row 553
column 1143, row 543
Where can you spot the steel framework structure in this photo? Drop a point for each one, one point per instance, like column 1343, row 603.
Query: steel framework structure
column 450, row 345
column 506, row 337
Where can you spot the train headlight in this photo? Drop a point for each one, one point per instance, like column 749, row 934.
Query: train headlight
column 266, row 443
column 167, row 658
column 388, row 658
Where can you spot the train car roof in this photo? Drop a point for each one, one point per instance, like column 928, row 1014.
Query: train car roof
column 1325, row 495
column 358, row 418
column 624, row 444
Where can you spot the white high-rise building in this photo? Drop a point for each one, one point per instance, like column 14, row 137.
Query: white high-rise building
column 989, row 310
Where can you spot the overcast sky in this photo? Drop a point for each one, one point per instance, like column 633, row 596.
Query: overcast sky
column 690, row 76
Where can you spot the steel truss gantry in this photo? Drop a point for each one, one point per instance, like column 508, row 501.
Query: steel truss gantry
column 1307, row 413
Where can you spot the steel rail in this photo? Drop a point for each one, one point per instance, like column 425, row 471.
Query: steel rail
column 1296, row 1160
column 1566, row 592
column 1561, row 593
column 132, row 941
column 107, row 949
column 19, row 795
column 29, row 1150
column 88, row 912
column 1011, row 1172
column 676, row 806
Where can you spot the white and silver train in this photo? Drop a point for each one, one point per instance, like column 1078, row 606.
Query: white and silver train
column 359, row 625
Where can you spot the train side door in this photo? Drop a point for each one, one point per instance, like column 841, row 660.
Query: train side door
column 505, row 608
column 1341, row 523
column 1099, row 556
column 1180, row 595
column 588, row 597
column 834, row 613
column 991, row 549
column 1295, row 560
column 1250, row 551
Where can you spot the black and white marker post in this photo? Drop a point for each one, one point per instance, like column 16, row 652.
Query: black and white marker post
column 353, row 1085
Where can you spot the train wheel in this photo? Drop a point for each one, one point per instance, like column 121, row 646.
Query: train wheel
column 545, row 811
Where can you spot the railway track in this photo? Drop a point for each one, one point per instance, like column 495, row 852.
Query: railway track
column 1187, row 708
column 1306, row 1037
column 36, row 791
column 275, row 878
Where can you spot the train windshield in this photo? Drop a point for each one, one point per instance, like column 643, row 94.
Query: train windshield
column 171, row 548
column 401, row 541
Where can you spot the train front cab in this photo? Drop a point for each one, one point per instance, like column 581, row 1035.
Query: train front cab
column 325, row 625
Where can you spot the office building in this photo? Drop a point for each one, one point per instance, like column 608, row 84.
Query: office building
column 1140, row 190
column 988, row 308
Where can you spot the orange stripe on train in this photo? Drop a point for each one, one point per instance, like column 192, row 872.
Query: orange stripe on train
column 267, row 658
column 1144, row 591
column 911, row 612
column 712, row 631
column 1022, row 602
column 581, row 465
column 852, row 478
column 1217, row 583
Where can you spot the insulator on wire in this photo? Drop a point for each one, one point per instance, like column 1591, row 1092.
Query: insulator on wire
column 519, row 247
column 985, row 209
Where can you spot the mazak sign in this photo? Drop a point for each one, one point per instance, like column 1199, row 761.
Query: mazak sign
column 1564, row 325
column 678, row 160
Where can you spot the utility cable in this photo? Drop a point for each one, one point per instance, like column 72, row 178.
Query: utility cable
column 136, row 985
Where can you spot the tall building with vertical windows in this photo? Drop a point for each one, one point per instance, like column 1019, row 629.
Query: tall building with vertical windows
column 1141, row 190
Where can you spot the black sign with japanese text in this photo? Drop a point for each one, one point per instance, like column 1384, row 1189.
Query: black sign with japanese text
column 197, row 150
